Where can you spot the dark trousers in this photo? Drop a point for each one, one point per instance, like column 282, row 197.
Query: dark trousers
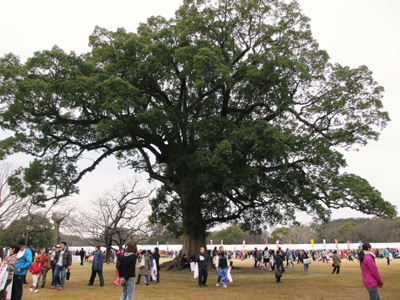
column 43, row 276
column 17, row 288
column 388, row 261
column 3, row 292
column 203, row 274
column 336, row 269
column 93, row 277
column 146, row 280
column 158, row 274
column 82, row 258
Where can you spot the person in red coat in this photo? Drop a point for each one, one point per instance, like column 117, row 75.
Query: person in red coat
column 36, row 270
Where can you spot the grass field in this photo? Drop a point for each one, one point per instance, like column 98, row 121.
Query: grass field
column 248, row 284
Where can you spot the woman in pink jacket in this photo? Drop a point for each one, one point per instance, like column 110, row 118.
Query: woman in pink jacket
column 371, row 277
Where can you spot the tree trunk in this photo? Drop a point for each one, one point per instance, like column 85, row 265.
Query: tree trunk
column 194, row 227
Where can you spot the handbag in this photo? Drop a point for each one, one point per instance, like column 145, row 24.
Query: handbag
column 68, row 275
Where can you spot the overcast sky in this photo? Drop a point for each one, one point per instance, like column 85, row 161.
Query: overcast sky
column 356, row 32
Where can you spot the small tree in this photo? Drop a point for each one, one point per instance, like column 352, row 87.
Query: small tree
column 231, row 235
column 114, row 219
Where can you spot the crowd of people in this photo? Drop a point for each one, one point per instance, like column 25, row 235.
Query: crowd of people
column 21, row 259
column 132, row 265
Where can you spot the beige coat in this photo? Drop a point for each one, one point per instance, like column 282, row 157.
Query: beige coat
column 336, row 260
column 144, row 269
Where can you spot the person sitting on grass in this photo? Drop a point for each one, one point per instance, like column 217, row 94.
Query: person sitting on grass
column 184, row 262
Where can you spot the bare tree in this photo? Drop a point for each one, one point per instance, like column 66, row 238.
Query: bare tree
column 114, row 219
column 11, row 206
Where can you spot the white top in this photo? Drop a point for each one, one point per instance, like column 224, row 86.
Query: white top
column 60, row 258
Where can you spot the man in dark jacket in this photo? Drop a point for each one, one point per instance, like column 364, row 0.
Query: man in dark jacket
column 97, row 267
column 82, row 254
column 63, row 261
column 202, row 262
column 279, row 268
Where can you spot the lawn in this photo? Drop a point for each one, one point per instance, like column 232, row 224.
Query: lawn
column 248, row 284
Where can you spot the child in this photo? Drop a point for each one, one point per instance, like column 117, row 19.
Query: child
column 36, row 270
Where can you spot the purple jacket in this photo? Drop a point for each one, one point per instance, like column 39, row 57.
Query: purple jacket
column 370, row 273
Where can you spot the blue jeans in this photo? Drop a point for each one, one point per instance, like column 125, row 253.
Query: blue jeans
column 59, row 272
column 223, row 273
column 373, row 293
column 128, row 289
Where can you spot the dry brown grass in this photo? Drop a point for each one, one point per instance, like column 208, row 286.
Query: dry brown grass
column 248, row 284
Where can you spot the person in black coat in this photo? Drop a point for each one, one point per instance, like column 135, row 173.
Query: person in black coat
column 279, row 258
column 82, row 254
column 202, row 262
column 156, row 256
column 126, row 268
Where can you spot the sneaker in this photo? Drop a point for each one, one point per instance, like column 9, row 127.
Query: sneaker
column 53, row 287
column 217, row 285
column 60, row 288
column 205, row 285
column 36, row 291
column 31, row 290
column 225, row 286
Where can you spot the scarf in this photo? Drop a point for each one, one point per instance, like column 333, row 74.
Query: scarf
column 21, row 253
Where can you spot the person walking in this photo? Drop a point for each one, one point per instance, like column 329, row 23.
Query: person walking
column 144, row 267
column 36, row 269
column 306, row 261
column 54, row 263
column 336, row 262
column 63, row 260
column 46, row 265
column 97, row 267
column 279, row 268
column 82, row 254
column 12, row 261
column 126, row 269
column 370, row 273
column 156, row 256
column 222, row 265
column 202, row 262
column 24, row 261
column 388, row 256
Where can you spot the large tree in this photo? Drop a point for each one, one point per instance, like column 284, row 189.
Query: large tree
column 231, row 105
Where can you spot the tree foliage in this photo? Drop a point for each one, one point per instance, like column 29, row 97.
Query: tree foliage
column 34, row 229
column 231, row 105
column 231, row 235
